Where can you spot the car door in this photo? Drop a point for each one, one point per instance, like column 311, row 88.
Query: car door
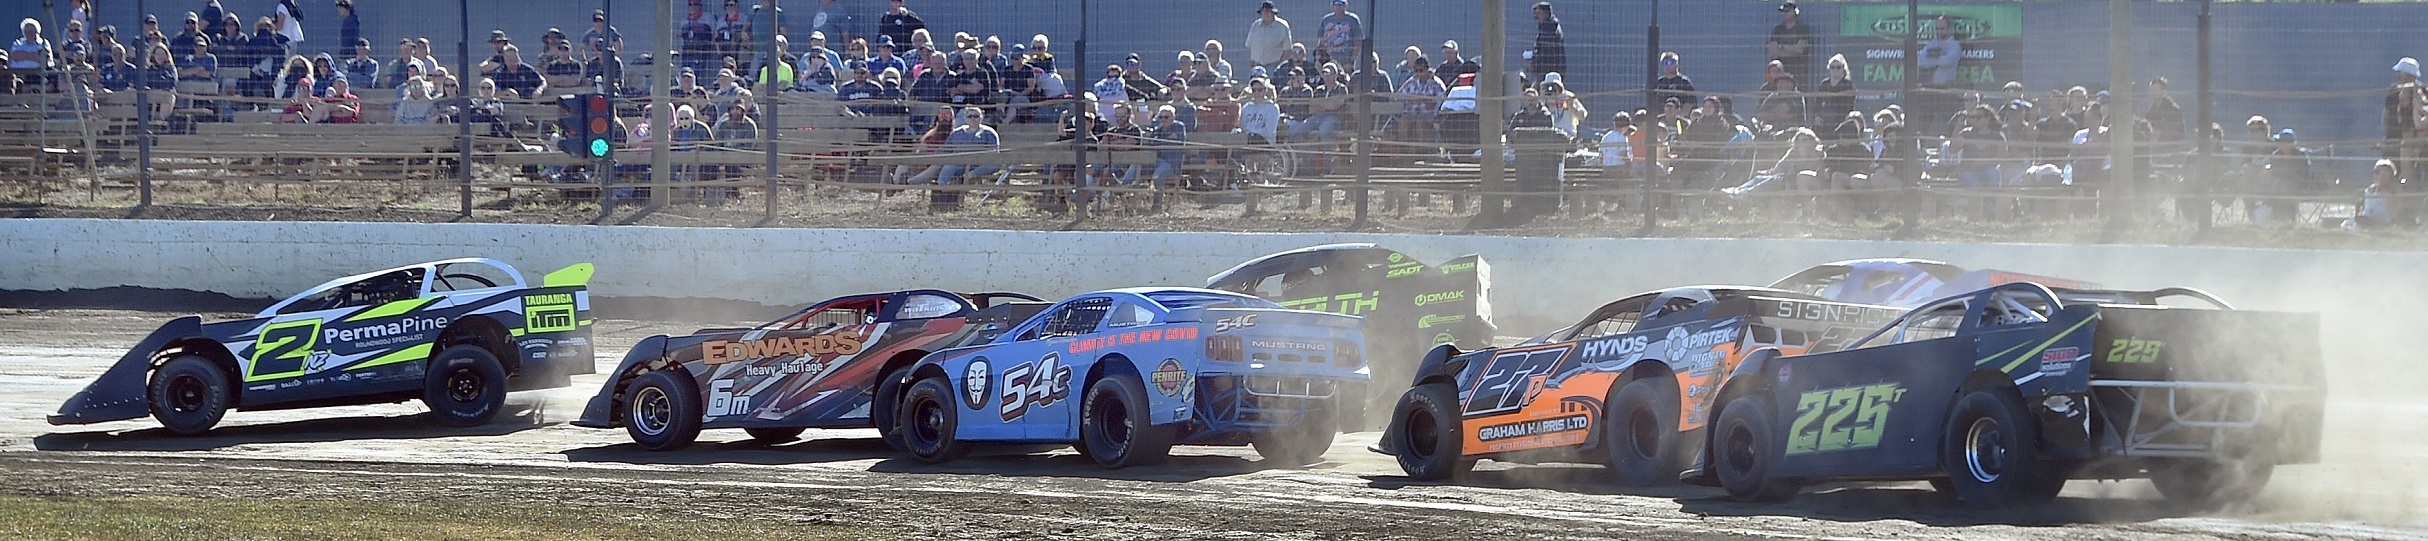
column 337, row 340
column 1876, row 408
column 1038, row 390
column 778, row 372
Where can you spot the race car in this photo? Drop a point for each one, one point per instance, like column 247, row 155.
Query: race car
column 1905, row 283
column 2000, row 396
column 833, row 364
column 1127, row 373
column 458, row 334
column 1628, row 386
column 1409, row 307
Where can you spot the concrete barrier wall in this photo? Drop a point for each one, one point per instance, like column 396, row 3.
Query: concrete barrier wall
column 1540, row 283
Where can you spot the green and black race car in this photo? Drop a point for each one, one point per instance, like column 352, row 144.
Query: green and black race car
column 1409, row 306
column 458, row 334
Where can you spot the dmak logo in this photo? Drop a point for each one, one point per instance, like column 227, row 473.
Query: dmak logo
column 1442, row 297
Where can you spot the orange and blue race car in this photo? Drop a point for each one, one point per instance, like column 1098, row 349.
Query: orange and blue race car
column 1628, row 386
column 2000, row 396
column 834, row 364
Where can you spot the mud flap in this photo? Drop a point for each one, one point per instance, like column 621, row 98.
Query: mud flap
column 600, row 411
column 119, row 393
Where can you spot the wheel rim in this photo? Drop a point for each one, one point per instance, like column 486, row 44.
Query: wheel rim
column 1422, row 435
column 1985, row 450
column 1114, row 423
column 1738, row 450
column 927, row 427
column 464, row 385
column 187, row 393
column 1644, row 433
column 652, row 411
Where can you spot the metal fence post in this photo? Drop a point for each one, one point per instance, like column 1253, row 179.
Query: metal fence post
column 767, row 64
column 1653, row 165
column 463, row 87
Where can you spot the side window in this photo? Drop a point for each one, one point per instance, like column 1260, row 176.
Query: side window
column 924, row 306
column 376, row 290
column 1268, row 287
column 1130, row 315
column 1669, row 306
column 838, row 315
column 1621, row 320
column 2009, row 309
column 464, row 276
column 1939, row 322
column 1077, row 318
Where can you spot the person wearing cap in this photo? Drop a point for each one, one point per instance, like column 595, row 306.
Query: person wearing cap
column 1791, row 41
column 183, row 42
column 199, row 65
column 899, row 21
column 2289, row 171
column 1142, row 87
column 818, row 74
column 1268, row 35
column 559, row 67
column 1420, row 96
column 1322, row 97
column 1340, row 31
column 886, row 56
column 516, row 78
column 818, row 46
column 604, row 65
column 1111, row 90
column 1550, row 52
column 103, row 39
column 698, row 37
column 860, row 87
column 498, row 43
column 601, row 36
column 2373, row 211
column 1453, row 63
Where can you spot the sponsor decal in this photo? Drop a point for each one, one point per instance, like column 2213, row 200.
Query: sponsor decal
column 1431, row 320
column 1404, row 271
column 716, row 352
column 411, row 326
column 1833, row 312
column 2133, row 351
column 1441, row 297
column 1444, row 338
column 1277, row 344
column 548, row 298
column 977, row 383
column 1345, row 303
column 1786, row 371
column 1229, row 324
column 1684, row 345
column 1841, row 419
column 1458, row 267
column 1513, row 378
column 1146, row 336
column 1034, row 385
column 803, row 365
column 2059, row 361
column 1396, row 257
column 1169, row 377
column 722, row 401
column 1534, row 428
column 549, row 312
column 282, row 349
column 1615, row 346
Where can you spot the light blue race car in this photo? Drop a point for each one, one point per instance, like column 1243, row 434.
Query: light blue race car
column 1127, row 373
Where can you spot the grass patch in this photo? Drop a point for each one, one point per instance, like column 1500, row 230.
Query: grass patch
column 165, row 518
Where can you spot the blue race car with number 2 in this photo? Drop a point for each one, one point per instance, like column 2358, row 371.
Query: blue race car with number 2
column 1127, row 373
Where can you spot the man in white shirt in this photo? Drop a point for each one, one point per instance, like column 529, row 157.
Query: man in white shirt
column 1268, row 36
column 1110, row 91
column 1618, row 147
column 1261, row 115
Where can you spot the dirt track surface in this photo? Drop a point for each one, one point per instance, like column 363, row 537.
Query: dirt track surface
column 530, row 457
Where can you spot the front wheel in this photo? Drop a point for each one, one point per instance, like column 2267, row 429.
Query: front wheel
column 1640, row 433
column 888, row 404
column 662, row 410
column 2211, row 483
column 928, row 421
column 1115, row 428
column 1745, row 450
column 189, row 395
column 1300, row 444
column 465, row 386
column 1990, row 452
column 1430, row 445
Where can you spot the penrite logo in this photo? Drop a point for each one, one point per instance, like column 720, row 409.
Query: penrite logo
column 1442, row 297
column 1169, row 377
column 1430, row 320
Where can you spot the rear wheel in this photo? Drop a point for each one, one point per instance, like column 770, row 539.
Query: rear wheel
column 928, row 421
column 1115, row 428
column 1430, row 446
column 662, row 411
column 1640, row 433
column 773, row 434
column 887, row 404
column 1745, row 448
column 2209, row 483
column 1303, row 443
column 465, row 386
column 189, row 395
column 1991, row 452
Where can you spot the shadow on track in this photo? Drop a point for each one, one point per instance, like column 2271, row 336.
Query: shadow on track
column 517, row 418
column 745, row 451
column 1025, row 461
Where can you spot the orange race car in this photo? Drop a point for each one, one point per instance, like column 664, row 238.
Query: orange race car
column 1627, row 386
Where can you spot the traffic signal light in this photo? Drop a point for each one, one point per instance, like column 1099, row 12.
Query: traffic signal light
column 589, row 122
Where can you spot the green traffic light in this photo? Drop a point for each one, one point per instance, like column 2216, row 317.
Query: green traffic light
column 598, row 148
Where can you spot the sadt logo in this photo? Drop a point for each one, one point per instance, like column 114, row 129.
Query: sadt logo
column 1442, row 297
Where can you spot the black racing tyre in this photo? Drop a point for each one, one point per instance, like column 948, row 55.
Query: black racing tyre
column 1990, row 452
column 662, row 410
column 1745, row 448
column 1640, row 433
column 1430, row 445
column 465, row 386
column 1303, row 443
column 2208, row 483
column 888, row 403
column 189, row 395
column 773, row 435
column 1115, row 426
column 927, row 422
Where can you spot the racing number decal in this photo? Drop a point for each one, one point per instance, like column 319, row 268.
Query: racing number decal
column 1512, row 379
column 1039, row 384
column 1836, row 338
column 2134, row 351
column 1841, row 419
column 282, row 349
